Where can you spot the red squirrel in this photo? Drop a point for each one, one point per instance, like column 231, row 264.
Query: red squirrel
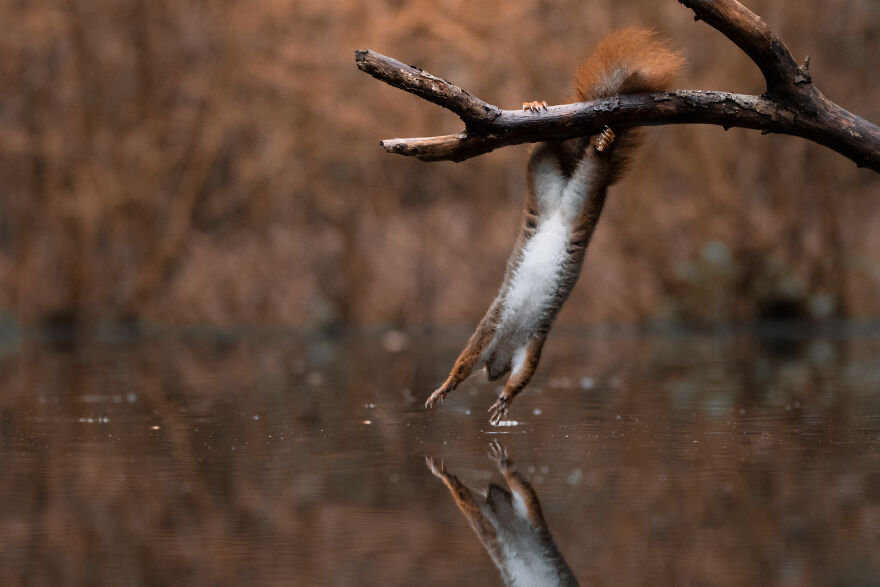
column 510, row 525
column 567, row 182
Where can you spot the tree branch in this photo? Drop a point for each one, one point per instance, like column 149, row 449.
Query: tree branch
column 749, row 32
column 511, row 127
column 423, row 84
column 792, row 105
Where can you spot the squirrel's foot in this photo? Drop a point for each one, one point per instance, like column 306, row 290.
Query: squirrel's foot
column 499, row 409
column 535, row 105
column 438, row 396
column 603, row 140
column 498, row 454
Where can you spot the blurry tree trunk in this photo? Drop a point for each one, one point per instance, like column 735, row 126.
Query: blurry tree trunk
column 205, row 144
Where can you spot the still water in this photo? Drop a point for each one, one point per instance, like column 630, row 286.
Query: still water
column 747, row 459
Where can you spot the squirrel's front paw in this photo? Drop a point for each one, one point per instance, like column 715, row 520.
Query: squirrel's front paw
column 498, row 411
column 437, row 397
column 498, row 454
column 535, row 105
column 436, row 466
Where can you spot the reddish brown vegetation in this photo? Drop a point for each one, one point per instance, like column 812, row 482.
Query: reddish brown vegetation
column 190, row 162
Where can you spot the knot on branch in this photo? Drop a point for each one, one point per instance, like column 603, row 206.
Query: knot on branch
column 803, row 75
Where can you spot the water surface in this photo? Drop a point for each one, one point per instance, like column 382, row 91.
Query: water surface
column 279, row 460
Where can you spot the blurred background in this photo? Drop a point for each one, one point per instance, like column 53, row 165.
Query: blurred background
column 217, row 163
column 194, row 163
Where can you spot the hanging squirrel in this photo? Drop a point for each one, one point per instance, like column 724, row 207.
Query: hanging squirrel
column 567, row 183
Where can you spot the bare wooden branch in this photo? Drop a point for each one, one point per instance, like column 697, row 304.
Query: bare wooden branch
column 749, row 32
column 792, row 104
column 561, row 122
column 427, row 86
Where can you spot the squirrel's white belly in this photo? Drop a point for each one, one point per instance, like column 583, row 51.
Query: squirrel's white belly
column 536, row 279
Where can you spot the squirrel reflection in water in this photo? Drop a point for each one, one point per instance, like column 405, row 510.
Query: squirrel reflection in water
column 510, row 525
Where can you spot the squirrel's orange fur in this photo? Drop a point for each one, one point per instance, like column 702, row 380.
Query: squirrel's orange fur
column 567, row 183
column 627, row 61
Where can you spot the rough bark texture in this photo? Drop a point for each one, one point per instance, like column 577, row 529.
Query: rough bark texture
column 791, row 105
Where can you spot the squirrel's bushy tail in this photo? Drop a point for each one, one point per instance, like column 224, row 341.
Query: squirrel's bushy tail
column 627, row 61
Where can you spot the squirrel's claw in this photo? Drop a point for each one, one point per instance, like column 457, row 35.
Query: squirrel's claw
column 498, row 454
column 437, row 397
column 436, row 466
column 498, row 411
column 535, row 105
column 603, row 141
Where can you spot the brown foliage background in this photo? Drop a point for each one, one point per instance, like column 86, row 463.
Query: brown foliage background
column 193, row 162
